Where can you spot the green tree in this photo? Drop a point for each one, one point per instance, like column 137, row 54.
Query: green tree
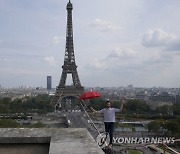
column 165, row 109
column 98, row 103
column 8, row 123
column 173, row 127
column 176, row 109
column 4, row 108
column 40, row 104
column 6, row 100
column 154, row 126
column 136, row 106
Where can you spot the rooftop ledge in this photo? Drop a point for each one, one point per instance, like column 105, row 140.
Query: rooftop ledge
column 47, row 140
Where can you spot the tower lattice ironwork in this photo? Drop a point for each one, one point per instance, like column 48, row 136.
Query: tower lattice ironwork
column 69, row 66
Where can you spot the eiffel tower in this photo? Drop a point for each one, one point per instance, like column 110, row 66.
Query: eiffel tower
column 64, row 91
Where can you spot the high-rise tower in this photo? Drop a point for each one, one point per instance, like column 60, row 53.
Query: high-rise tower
column 49, row 82
column 69, row 66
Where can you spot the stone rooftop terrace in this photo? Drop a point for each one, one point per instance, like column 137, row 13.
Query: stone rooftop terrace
column 50, row 140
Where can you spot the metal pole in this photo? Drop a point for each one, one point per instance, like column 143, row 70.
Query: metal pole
column 89, row 117
column 91, row 120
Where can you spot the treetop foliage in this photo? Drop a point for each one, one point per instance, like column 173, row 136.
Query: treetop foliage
column 40, row 104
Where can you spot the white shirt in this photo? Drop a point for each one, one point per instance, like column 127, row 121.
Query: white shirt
column 109, row 114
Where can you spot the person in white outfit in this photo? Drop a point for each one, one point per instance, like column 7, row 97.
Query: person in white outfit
column 109, row 118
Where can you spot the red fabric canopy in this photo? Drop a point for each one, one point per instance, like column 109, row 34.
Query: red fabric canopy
column 89, row 95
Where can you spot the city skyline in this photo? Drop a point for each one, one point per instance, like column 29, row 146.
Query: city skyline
column 116, row 42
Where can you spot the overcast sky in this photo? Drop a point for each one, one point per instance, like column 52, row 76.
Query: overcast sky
column 116, row 42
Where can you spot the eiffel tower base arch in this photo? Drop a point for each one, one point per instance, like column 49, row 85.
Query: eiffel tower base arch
column 66, row 96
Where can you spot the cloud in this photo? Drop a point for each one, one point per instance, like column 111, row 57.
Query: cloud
column 97, row 64
column 128, row 60
column 117, row 58
column 122, row 53
column 50, row 60
column 103, row 25
column 158, row 37
column 57, row 40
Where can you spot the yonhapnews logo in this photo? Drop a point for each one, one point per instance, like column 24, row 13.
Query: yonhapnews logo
column 143, row 140
column 103, row 139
